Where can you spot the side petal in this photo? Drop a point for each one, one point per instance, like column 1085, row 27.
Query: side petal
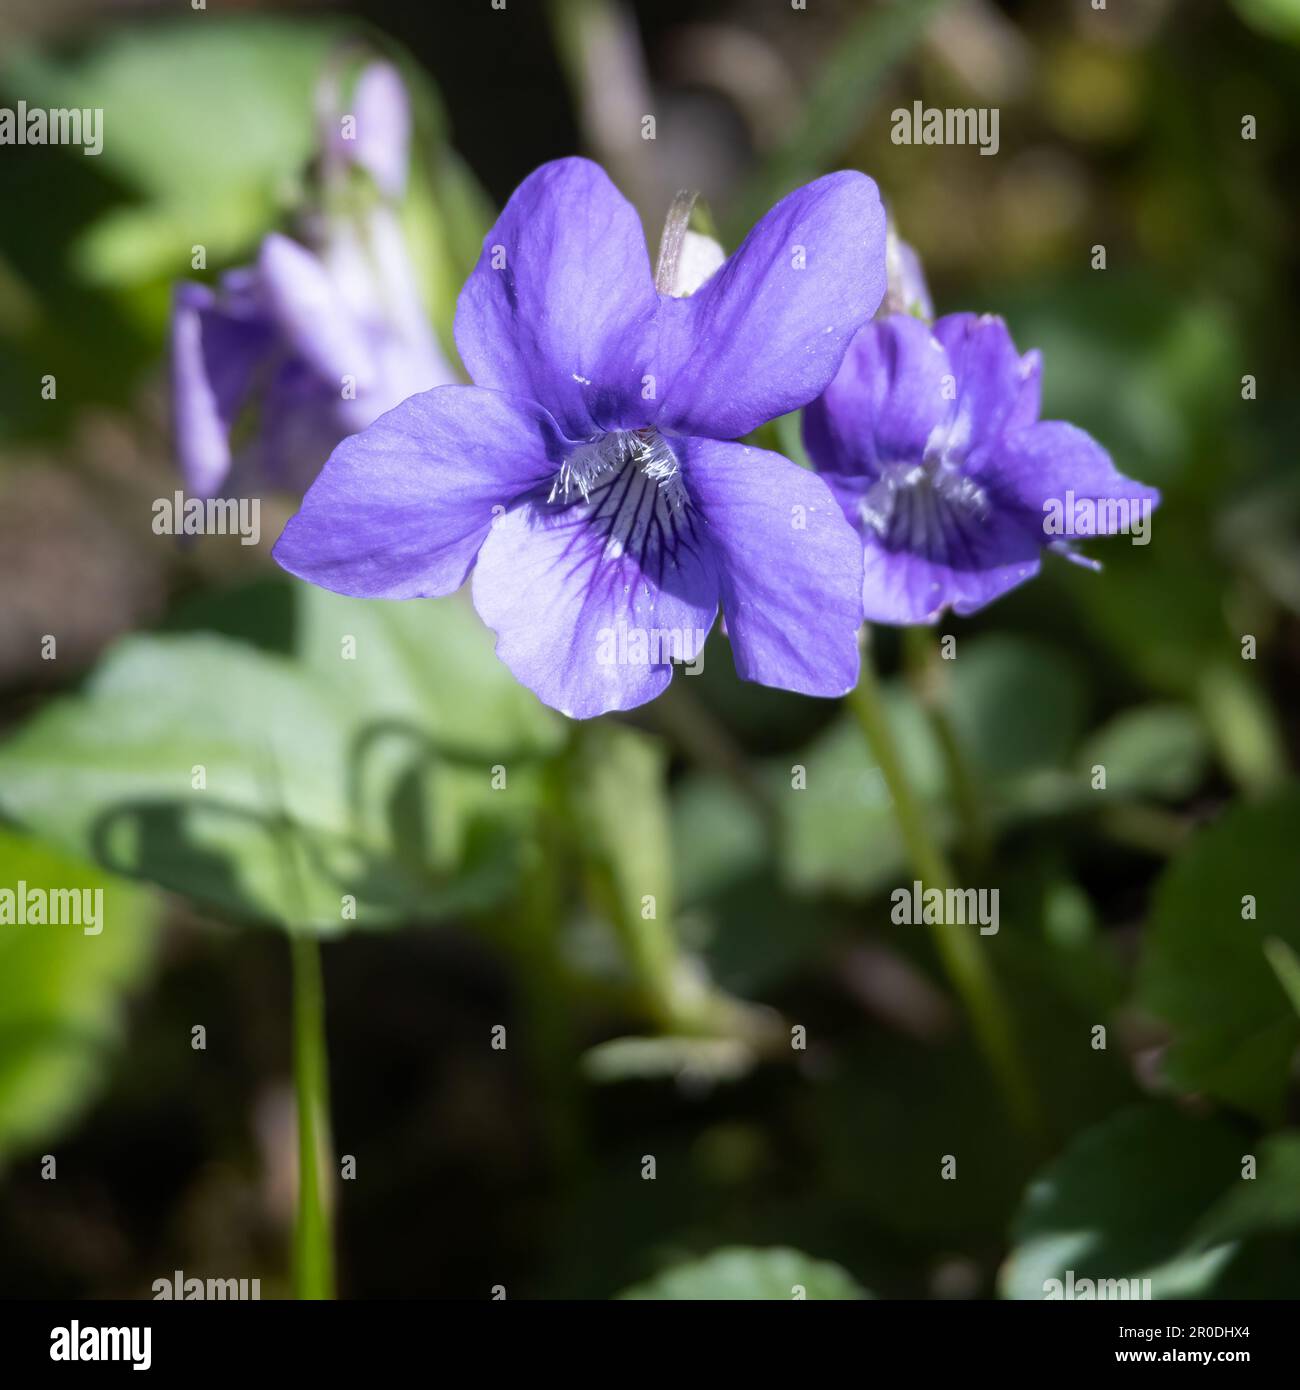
column 561, row 307
column 400, row 510
column 214, row 358
column 998, row 390
column 312, row 313
column 1066, row 484
column 789, row 565
column 768, row 331
column 591, row 602
column 885, row 402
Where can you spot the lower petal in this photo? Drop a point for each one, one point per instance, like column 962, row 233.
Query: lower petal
column 789, row 565
column 589, row 612
column 975, row 564
column 400, row 510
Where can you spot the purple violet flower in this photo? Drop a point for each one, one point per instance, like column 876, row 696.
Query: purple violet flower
column 315, row 343
column 930, row 439
column 586, row 480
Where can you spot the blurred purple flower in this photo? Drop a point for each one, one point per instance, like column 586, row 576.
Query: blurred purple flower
column 584, row 479
column 313, row 344
column 930, row 439
column 375, row 135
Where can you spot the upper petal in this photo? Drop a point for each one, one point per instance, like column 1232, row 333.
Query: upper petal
column 383, row 127
column 312, row 313
column 998, row 390
column 886, row 401
column 790, row 566
column 768, row 331
column 400, row 509
column 561, row 306
column 369, row 259
column 592, row 601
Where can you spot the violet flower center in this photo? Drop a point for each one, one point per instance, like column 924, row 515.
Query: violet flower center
column 630, row 481
column 924, row 507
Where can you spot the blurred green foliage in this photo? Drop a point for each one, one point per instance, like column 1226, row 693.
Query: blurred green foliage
column 63, row 992
column 203, row 169
column 1154, row 1194
column 750, row 1274
column 1206, row 970
column 346, row 782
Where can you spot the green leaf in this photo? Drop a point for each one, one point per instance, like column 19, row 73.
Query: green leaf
column 1279, row 19
column 997, row 674
column 1159, row 609
column 622, row 800
column 429, row 662
column 1286, row 966
column 718, row 836
column 1205, row 970
column 839, row 830
column 1161, row 355
column 364, row 770
column 62, row 991
column 1264, row 1204
column 789, row 438
column 740, row 1272
column 1124, row 1202
column 211, row 125
column 207, row 121
column 1154, row 750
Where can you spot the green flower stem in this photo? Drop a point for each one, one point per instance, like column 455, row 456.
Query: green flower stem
column 313, row 1239
column 655, row 960
column 674, row 996
column 926, row 675
column 959, row 950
